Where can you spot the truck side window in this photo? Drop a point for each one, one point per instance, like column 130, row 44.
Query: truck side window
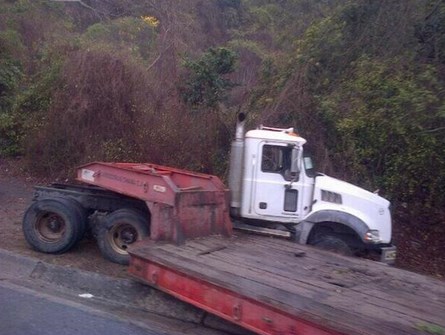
column 276, row 159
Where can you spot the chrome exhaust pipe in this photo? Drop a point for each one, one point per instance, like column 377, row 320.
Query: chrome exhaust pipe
column 240, row 122
column 236, row 166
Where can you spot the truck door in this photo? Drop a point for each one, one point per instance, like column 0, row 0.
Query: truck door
column 275, row 196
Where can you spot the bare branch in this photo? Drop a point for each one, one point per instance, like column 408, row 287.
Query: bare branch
column 159, row 57
column 97, row 12
column 433, row 130
column 435, row 8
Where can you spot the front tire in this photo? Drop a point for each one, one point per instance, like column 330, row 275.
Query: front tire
column 332, row 243
column 119, row 230
column 53, row 225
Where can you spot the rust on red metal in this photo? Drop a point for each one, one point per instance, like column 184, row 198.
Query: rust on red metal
column 182, row 204
column 242, row 310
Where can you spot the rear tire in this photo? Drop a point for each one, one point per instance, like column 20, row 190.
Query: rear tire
column 332, row 243
column 119, row 230
column 53, row 225
column 83, row 222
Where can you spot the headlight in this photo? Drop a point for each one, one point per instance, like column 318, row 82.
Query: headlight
column 372, row 236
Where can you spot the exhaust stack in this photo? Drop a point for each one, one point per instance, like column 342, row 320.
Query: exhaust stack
column 236, row 166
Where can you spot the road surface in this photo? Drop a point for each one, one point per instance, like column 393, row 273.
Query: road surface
column 25, row 311
column 42, row 299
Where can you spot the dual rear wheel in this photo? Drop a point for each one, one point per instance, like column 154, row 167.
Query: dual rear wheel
column 55, row 225
column 119, row 230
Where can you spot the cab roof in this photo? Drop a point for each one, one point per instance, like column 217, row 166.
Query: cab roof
column 278, row 134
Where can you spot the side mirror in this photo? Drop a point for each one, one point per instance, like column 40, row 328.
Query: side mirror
column 295, row 163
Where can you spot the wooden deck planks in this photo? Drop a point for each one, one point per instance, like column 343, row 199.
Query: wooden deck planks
column 350, row 295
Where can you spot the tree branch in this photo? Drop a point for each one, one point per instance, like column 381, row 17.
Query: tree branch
column 97, row 12
column 433, row 130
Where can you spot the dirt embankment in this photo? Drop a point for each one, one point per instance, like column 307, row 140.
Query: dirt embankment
column 418, row 250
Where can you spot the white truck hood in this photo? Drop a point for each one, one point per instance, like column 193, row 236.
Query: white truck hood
column 370, row 208
column 342, row 187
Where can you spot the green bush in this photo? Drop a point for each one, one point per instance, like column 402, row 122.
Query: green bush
column 205, row 84
column 388, row 130
column 11, row 76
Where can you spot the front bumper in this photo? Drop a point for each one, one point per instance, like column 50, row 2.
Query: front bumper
column 388, row 254
column 383, row 252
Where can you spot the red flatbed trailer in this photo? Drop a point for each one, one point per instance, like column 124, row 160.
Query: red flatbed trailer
column 271, row 286
column 267, row 285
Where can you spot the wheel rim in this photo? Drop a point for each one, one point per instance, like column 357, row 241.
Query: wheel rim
column 50, row 227
column 121, row 236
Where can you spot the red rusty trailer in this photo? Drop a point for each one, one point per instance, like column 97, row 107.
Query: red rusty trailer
column 275, row 287
column 182, row 204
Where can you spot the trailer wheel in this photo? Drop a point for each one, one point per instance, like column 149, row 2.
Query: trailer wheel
column 332, row 243
column 119, row 230
column 82, row 223
column 53, row 225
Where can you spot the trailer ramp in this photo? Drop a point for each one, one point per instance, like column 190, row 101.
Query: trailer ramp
column 272, row 286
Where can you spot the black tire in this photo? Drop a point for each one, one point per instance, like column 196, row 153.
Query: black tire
column 332, row 243
column 83, row 221
column 119, row 230
column 53, row 225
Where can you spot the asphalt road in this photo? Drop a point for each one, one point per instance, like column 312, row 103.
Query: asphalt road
column 41, row 298
column 24, row 311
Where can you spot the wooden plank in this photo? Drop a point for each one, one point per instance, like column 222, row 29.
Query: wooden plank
column 249, row 313
column 299, row 306
column 347, row 274
column 392, row 286
column 350, row 272
column 348, row 295
column 336, row 293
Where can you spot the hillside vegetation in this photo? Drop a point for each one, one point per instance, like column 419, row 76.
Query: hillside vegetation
column 162, row 80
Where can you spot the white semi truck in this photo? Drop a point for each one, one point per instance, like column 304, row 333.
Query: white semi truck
column 273, row 185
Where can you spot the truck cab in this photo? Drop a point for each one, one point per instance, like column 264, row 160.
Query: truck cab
column 273, row 184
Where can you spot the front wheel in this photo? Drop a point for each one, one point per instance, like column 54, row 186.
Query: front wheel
column 119, row 230
column 332, row 243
